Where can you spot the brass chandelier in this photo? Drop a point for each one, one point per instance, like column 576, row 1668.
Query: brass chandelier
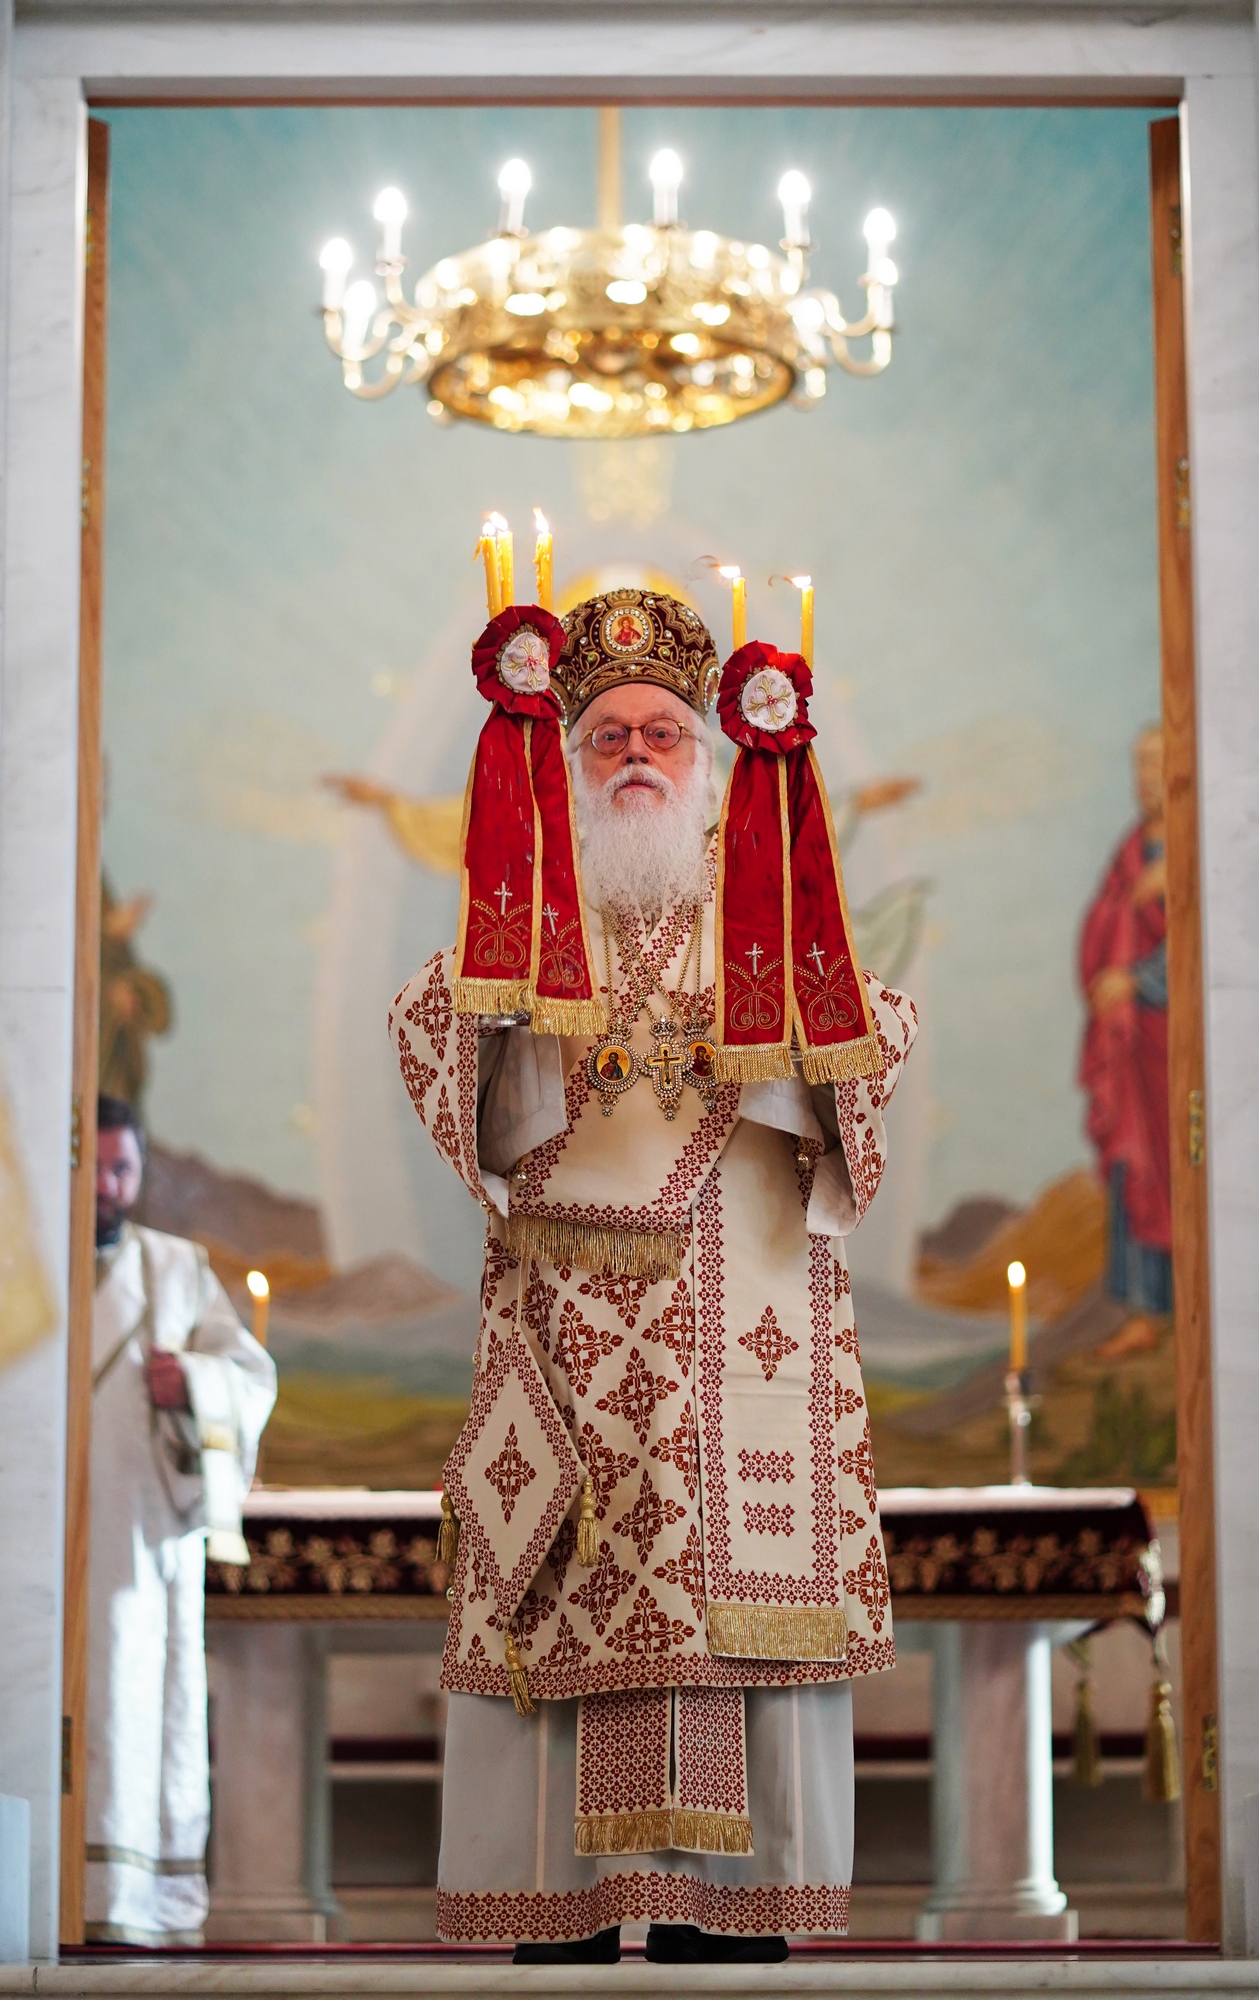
column 624, row 330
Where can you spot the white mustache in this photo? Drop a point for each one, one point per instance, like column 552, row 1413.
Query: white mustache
column 639, row 774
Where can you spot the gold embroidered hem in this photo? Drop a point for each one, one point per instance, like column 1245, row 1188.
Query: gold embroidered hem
column 490, row 996
column 651, row 1832
column 777, row 1632
column 843, row 1062
column 653, row 1254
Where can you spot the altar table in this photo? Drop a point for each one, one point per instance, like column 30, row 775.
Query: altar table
column 986, row 1579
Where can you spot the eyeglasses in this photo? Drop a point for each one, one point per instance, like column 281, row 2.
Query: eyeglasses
column 610, row 738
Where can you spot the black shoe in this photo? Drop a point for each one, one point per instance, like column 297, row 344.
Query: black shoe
column 604, row 1948
column 686, row 1944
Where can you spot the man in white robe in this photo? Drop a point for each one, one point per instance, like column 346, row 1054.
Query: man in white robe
column 180, row 1395
column 634, row 1699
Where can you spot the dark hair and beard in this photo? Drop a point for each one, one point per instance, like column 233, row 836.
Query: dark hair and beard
column 637, row 854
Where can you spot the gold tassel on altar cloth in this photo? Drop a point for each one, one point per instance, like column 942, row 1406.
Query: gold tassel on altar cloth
column 623, row 1253
column 1086, row 1767
column 518, row 1678
column 448, row 1534
column 650, row 1832
column 587, row 1526
column 777, row 1631
column 1160, row 1782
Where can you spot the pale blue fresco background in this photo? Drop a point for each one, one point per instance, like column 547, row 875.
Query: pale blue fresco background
column 289, row 590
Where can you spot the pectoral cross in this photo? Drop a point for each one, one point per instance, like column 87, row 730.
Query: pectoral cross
column 550, row 916
column 504, row 897
column 816, row 955
column 755, row 954
column 665, row 1069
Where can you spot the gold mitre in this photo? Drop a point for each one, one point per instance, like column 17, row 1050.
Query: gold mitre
column 635, row 635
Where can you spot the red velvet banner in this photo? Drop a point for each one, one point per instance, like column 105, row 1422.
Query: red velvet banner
column 787, row 974
column 522, row 932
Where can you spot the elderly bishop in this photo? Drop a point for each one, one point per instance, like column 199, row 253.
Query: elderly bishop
column 654, row 1061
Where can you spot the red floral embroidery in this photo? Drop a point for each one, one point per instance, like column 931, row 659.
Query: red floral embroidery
column 687, row 1570
column 602, row 1590
column 681, row 1448
column 636, row 1395
column 769, row 1519
column 648, row 1629
column 868, row 1583
column 847, row 1401
column 626, row 1294
column 568, row 1650
column 434, row 1009
column 445, row 1131
column 607, row 1468
column 768, row 1342
column 580, row 1346
column 510, row 1473
column 418, row 1077
column 675, row 1326
column 648, row 1515
column 859, row 1465
column 767, row 1466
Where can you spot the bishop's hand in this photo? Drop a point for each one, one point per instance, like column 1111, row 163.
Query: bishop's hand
column 167, row 1387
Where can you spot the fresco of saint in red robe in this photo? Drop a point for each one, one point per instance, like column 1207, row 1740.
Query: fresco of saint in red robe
column 1123, row 1063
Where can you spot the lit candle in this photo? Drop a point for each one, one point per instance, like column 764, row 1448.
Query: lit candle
column 506, row 562
column 804, row 584
column 1017, row 1278
column 543, row 550
column 739, row 609
column 260, row 1293
column 487, row 549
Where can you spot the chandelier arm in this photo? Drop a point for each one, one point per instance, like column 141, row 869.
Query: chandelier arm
column 371, row 392
column 881, row 342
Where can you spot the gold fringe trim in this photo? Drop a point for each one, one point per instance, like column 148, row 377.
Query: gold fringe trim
column 777, row 1631
column 548, row 1016
column 448, row 1534
column 490, row 996
column 624, row 1253
column 760, row 1062
column 587, row 1527
column 839, row 1062
column 648, row 1832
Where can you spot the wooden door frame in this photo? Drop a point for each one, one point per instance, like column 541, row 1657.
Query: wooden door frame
column 1195, row 1442
column 87, row 972
column 1186, row 1058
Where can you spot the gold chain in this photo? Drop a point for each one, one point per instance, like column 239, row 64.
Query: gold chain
column 697, row 925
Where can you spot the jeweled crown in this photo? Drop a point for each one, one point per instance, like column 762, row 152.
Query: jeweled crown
column 635, row 635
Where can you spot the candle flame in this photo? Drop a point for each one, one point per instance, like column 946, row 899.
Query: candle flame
column 496, row 526
column 1016, row 1276
column 801, row 582
column 258, row 1286
column 730, row 571
column 540, row 522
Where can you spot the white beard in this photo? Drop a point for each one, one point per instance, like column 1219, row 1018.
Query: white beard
column 639, row 855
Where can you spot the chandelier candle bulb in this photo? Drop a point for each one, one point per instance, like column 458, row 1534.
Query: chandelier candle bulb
column 543, row 552
column 804, row 584
column 739, row 607
column 795, row 194
column 260, row 1293
column 1017, row 1279
column 514, row 183
column 665, row 173
column 390, row 212
column 335, row 261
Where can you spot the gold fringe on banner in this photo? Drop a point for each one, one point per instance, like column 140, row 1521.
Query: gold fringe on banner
column 623, row 1253
column 548, row 1016
column 649, row 1831
column 490, row 996
column 777, row 1631
column 759, row 1062
column 1160, row 1783
column 840, row 1062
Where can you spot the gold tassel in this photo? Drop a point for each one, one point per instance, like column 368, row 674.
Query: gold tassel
column 548, row 1016
column 625, row 1253
column 777, row 1631
column 1086, row 1768
column 518, row 1678
column 587, row 1527
column 762, row 1062
column 840, row 1062
column 649, row 1832
column 448, row 1534
column 490, row 996
column 1160, row 1784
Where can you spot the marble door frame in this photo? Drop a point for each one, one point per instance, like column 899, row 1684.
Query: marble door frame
column 1200, row 58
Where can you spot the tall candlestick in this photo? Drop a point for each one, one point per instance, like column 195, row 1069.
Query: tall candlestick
column 506, row 562
column 543, row 551
column 260, row 1293
column 804, row 584
column 487, row 549
column 739, row 607
column 1017, row 1279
